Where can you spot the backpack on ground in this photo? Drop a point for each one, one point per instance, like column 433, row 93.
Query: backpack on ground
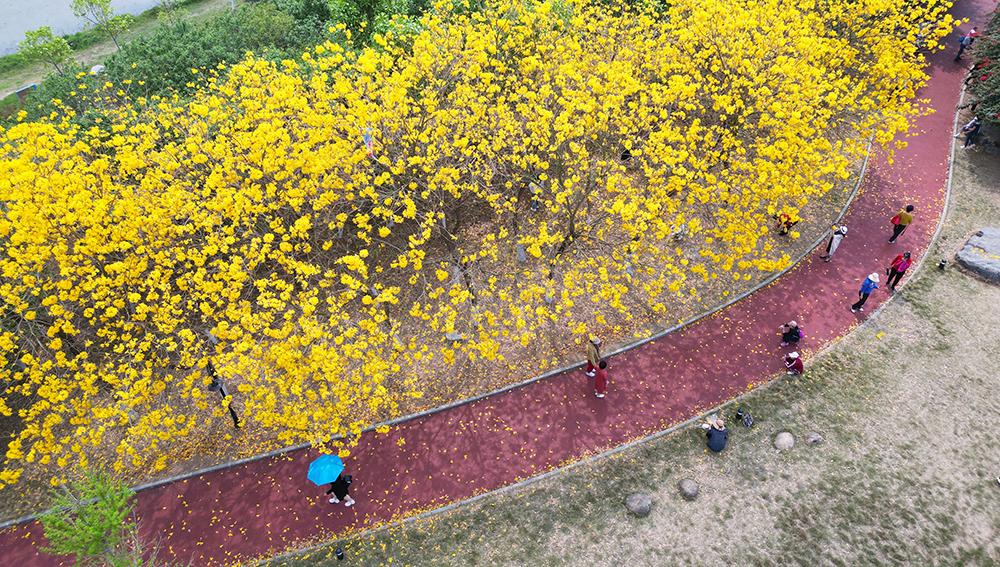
column 743, row 414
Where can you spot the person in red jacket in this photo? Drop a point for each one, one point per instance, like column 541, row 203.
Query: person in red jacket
column 897, row 269
column 601, row 380
column 793, row 362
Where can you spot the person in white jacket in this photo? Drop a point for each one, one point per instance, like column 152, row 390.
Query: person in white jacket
column 839, row 233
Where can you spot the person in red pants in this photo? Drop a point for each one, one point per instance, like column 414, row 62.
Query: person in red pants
column 601, row 379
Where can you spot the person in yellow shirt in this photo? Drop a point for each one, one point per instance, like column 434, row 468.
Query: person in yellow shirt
column 899, row 222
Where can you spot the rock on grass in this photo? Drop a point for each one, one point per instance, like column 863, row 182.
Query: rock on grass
column 639, row 504
column 688, row 488
column 784, row 441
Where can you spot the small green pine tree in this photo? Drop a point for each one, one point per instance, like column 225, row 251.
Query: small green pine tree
column 90, row 519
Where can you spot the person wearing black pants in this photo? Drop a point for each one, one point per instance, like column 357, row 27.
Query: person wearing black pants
column 896, row 270
column 973, row 129
column 867, row 287
column 899, row 222
column 339, row 489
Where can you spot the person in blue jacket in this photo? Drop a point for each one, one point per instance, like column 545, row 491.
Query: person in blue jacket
column 867, row 287
column 716, row 434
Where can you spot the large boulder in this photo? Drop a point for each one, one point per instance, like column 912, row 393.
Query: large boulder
column 639, row 504
column 981, row 254
column 784, row 441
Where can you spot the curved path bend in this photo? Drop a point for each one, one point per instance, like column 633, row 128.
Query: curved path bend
column 267, row 506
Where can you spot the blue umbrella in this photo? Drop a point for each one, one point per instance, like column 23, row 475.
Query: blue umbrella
column 325, row 469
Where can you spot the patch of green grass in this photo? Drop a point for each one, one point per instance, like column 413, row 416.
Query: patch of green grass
column 11, row 62
column 9, row 106
column 838, row 505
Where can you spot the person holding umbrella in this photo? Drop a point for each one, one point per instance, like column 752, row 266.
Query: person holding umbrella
column 339, row 488
column 329, row 469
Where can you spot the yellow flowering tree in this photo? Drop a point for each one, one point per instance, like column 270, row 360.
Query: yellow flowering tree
column 321, row 230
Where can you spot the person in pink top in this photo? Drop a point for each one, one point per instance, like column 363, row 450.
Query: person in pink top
column 896, row 270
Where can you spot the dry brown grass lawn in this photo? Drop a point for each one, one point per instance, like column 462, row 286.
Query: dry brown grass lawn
column 907, row 404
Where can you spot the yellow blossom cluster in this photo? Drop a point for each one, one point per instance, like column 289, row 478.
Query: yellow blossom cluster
column 320, row 229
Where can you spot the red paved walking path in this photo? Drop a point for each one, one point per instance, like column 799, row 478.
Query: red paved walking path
column 265, row 506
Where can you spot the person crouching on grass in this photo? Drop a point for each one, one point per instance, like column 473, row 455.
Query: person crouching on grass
column 716, row 434
column 793, row 362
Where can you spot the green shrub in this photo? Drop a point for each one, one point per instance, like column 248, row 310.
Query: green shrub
column 163, row 60
column 375, row 15
column 303, row 10
column 42, row 45
column 77, row 90
column 90, row 519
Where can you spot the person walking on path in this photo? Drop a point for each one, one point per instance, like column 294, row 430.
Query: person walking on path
column 839, row 234
column 867, row 287
column 716, row 435
column 899, row 222
column 971, row 131
column 896, row 270
column 965, row 42
column 593, row 355
column 790, row 333
column 793, row 362
column 601, row 379
column 340, row 488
